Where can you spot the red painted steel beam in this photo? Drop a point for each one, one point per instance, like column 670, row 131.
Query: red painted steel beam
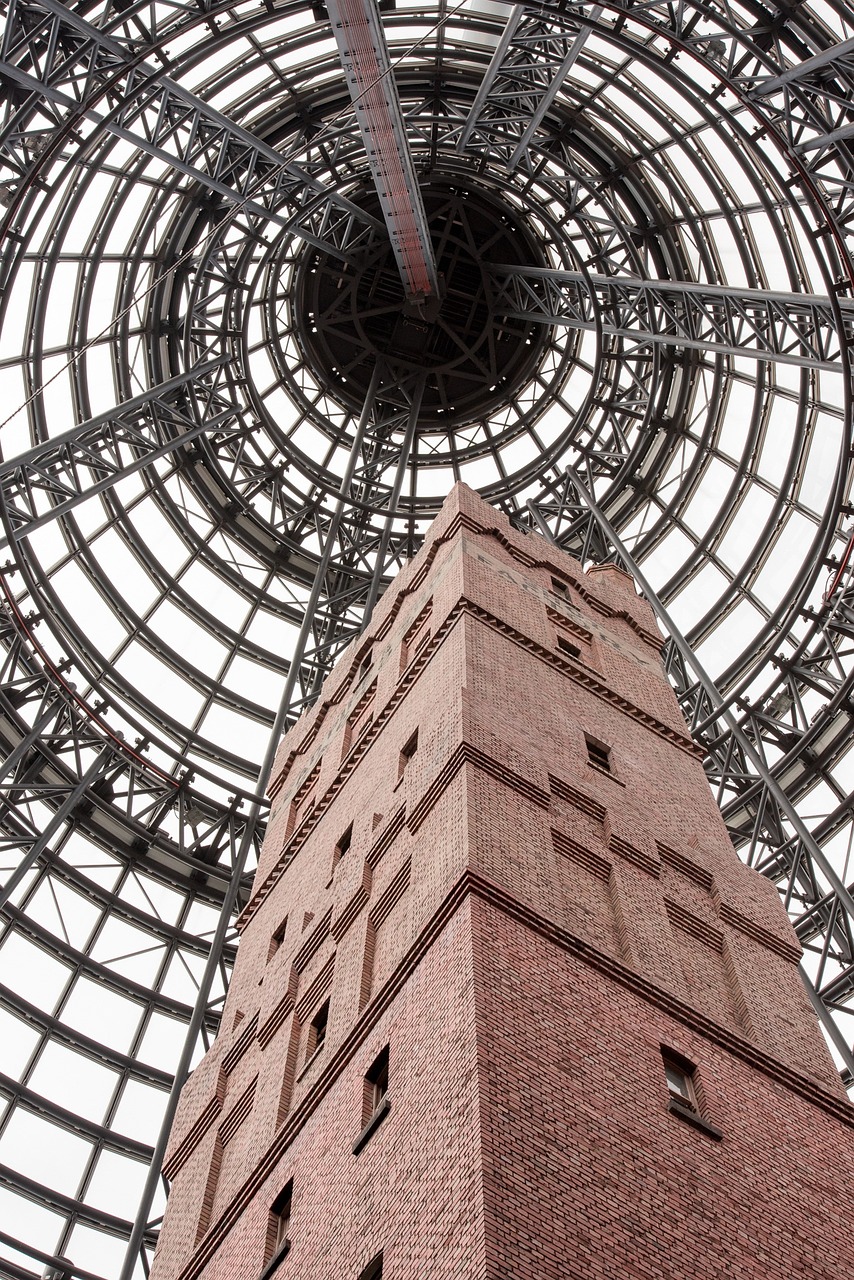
column 358, row 31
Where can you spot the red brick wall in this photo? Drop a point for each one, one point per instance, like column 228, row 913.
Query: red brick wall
column 586, row 1171
column 610, row 914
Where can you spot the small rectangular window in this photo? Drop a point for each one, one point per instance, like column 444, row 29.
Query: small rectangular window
column 566, row 646
column 376, row 1084
column 366, row 664
column 598, row 754
column 686, row 1096
column 679, row 1075
column 374, row 1269
column 317, row 1030
column 375, row 1099
column 278, row 1230
column 277, row 939
column 560, row 588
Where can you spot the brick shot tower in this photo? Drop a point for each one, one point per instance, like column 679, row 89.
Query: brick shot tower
column 506, row 1003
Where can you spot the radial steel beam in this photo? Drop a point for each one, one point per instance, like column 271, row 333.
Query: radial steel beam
column 834, row 57
column 789, row 328
column 534, row 55
column 161, row 118
column 358, row 30
column 557, row 76
column 492, row 71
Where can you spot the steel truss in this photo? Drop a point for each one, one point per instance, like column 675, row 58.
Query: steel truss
column 686, row 172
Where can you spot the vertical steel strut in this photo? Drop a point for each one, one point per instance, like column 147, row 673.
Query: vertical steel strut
column 358, row 31
column 182, row 1070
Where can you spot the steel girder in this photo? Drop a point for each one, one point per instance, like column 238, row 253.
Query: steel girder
column 77, row 81
column 799, row 329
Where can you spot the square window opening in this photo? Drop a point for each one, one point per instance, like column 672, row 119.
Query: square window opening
column 598, row 754
column 566, row 646
column 560, row 588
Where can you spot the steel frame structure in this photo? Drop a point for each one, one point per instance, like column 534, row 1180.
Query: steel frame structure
column 199, row 514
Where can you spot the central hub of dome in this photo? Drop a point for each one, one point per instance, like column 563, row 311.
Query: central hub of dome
column 472, row 358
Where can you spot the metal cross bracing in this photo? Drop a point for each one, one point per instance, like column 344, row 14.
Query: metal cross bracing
column 121, row 880
column 702, row 150
column 62, row 64
column 800, row 329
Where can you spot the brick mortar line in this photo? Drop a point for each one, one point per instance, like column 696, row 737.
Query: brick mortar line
column 472, row 884
column 463, row 608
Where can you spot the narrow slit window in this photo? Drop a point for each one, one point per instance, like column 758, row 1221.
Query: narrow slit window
column 278, row 1230
column 342, row 846
column 317, row 1030
column 407, row 752
column 376, row 1085
column 366, row 664
column 277, row 939
column 599, row 755
column 375, row 1099
column 681, row 1086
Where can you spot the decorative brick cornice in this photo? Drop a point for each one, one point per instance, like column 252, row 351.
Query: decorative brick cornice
column 729, row 915
column 691, row 924
column 314, row 942
column 580, row 675
column 580, row 854
column 472, row 884
column 192, row 1138
column 631, row 853
column 578, row 799
column 691, row 870
column 464, row 754
column 584, row 676
column 240, row 1045
column 392, row 895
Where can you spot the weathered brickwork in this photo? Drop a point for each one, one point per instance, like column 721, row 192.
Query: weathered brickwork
column 492, row 849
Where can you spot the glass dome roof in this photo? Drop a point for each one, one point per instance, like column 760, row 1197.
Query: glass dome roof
column 643, row 218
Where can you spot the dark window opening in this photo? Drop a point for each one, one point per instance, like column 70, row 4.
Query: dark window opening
column 281, row 1211
column 374, row 1269
column 343, row 845
column 566, row 646
column 366, row 664
column 407, row 752
column 679, row 1075
column 375, row 1099
column 278, row 1230
column 560, row 588
column 376, row 1084
column 598, row 754
column 317, row 1030
column 277, row 939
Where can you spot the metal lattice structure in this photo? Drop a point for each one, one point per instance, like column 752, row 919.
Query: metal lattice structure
column 227, row 420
